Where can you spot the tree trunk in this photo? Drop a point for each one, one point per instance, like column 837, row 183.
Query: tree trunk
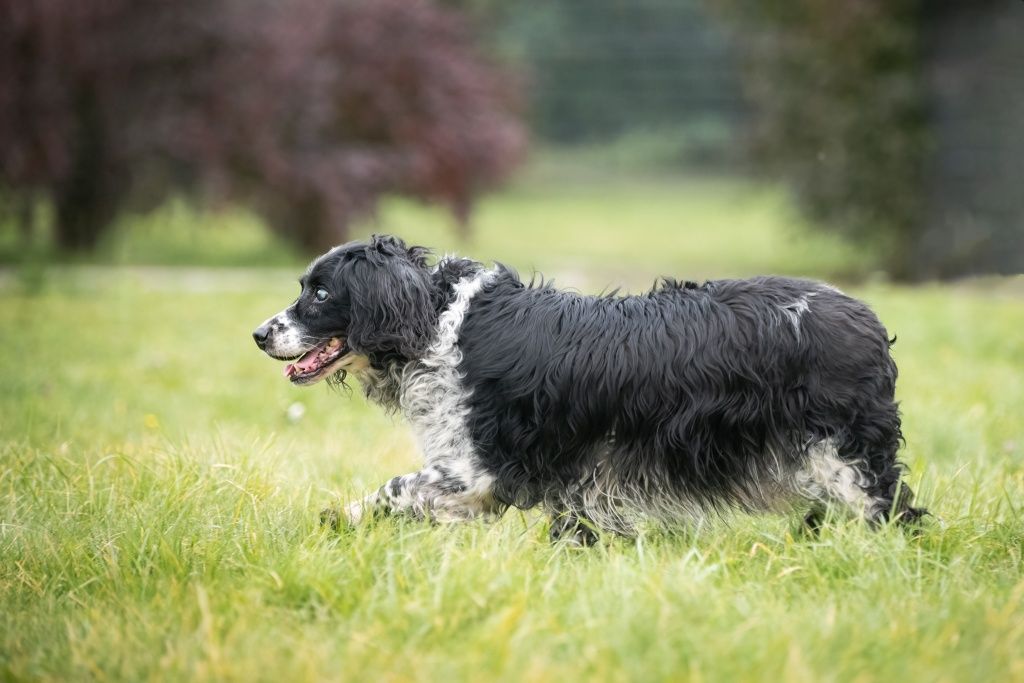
column 314, row 228
column 84, row 206
column 461, row 209
column 79, row 223
column 26, row 216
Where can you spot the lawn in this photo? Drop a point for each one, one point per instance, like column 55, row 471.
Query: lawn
column 160, row 484
column 584, row 220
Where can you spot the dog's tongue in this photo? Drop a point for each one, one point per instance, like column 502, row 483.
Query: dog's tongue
column 312, row 359
column 308, row 362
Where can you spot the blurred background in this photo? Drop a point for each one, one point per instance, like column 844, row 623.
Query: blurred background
column 702, row 138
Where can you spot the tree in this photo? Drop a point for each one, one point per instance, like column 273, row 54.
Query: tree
column 308, row 110
column 841, row 112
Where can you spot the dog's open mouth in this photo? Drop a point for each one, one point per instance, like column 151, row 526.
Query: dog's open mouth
column 317, row 362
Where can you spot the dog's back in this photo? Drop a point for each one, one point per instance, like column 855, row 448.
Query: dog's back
column 733, row 392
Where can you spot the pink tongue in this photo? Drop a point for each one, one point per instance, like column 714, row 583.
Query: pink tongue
column 305, row 364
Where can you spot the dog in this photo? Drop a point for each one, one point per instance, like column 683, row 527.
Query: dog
column 608, row 411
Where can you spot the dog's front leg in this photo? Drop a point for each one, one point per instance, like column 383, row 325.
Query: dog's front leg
column 434, row 493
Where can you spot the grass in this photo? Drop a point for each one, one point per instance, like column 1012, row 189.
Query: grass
column 158, row 507
column 586, row 216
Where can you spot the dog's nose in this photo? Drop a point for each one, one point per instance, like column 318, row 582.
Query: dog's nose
column 260, row 335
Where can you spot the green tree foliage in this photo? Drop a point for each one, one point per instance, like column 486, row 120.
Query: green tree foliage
column 840, row 112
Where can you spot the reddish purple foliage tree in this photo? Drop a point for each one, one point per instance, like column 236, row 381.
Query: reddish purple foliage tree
column 308, row 110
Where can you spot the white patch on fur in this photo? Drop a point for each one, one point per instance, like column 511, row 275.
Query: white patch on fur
column 435, row 403
column 285, row 340
column 794, row 310
column 827, row 478
column 453, row 485
column 425, row 495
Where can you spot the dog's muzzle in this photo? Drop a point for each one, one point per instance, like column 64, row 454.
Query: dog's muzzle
column 308, row 362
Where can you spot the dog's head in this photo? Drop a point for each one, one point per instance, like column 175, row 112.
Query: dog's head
column 362, row 304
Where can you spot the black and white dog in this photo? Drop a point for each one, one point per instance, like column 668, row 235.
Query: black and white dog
column 606, row 410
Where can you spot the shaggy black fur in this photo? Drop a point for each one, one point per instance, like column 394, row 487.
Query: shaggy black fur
column 696, row 383
column 690, row 396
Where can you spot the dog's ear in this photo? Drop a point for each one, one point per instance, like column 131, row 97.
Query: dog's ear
column 389, row 245
column 392, row 310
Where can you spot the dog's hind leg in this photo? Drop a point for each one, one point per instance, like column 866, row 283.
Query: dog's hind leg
column 869, row 488
column 435, row 493
column 825, row 478
column 872, row 444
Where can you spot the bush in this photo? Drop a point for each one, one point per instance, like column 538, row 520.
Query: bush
column 308, row 110
column 840, row 107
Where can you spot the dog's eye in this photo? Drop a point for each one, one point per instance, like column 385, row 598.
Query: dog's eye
column 320, row 294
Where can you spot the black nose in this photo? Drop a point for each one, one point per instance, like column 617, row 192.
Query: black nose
column 260, row 335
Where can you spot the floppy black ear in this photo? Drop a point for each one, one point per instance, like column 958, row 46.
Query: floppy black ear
column 392, row 310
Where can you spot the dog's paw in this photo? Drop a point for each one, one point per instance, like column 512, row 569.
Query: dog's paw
column 331, row 517
column 341, row 518
column 354, row 513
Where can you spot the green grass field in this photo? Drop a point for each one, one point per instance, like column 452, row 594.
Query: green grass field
column 158, row 507
column 585, row 219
